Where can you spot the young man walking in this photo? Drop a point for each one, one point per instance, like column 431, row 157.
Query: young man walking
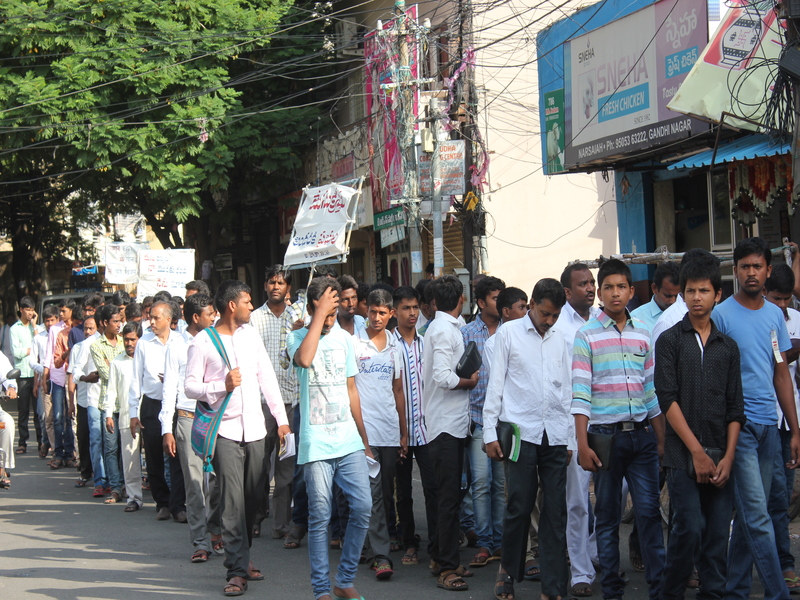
column 177, row 416
column 758, row 327
column 699, row 387
column 239, row 452
column 446, row 408
column 529, row 387
column 409, row 346
column 613, row 394
column 36, row 360
column 333, row 440
column 380, row 390
column 22, row 333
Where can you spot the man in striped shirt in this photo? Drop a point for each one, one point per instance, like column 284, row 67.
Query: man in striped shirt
column 409, row 345
column 613, row 393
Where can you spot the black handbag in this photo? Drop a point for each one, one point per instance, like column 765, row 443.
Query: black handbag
column 469, row 362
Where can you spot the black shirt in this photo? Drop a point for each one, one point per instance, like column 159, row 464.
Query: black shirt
column 706, row 385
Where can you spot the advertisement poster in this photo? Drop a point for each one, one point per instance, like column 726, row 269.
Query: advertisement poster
column 321, row 225
column 167, row 270
column 122, row 262
column 554, row 123
column 620, row 78
column 452, row 167
column 739, row 62
column 382, row 63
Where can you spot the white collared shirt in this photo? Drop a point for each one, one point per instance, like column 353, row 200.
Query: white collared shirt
column 570, row 321
column 81, row 363
column 446, row 409
column 530, row 385
column 38, row 350
column 673, row 314
column 119, row 382
column 148, row 364
column 174, row 376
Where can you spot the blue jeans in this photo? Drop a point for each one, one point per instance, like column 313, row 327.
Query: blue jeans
column 634, row 456
column 65, row 438
column 97, row 427
column 779, row 506
column 757, row 468
column 488, row 493
column 111, row 456
column 701, row 520
column 350, row 474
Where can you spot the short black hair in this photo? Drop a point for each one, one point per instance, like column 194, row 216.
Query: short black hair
column 348, row 283
column 67, row 303
column 107, row 311
column 487, row 285
column 195, row 305
column 199, row 286
column 121, row 298
column 420, row 287
column 750, row 246
column 178, row 300
column 317, row 287
column 229, row 291
column 162, row 296
column 698, row 254
column 382, row 286
column 326, row 271
column 566, row 274
column 668, row 270
column 380, row 297
column 614, row 266
column 405, row 292
column 26, row 302
column 176, row 310
column 428, row 290
column 363, row 291
column 165, row 304
column 549, row 289
column 781, row 280
column 77, row 313
column 51, row 310
column 447, row 291
column 92, row 300
column 274, row 270
column 147, row 302
column 701, row 269
column 132, row 327
column 509, row 297
column 133, row 311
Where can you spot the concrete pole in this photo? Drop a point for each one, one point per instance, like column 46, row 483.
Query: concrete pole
column 436, row 189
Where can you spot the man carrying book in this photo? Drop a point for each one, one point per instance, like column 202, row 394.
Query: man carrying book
column 529, row 392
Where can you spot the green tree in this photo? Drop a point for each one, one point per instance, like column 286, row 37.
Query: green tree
column 112, row 106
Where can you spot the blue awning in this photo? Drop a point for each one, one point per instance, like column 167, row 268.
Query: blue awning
column 750, row 146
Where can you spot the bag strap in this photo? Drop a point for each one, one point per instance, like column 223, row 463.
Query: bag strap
column 217, row 341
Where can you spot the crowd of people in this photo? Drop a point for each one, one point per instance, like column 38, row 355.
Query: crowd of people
column 321, row 402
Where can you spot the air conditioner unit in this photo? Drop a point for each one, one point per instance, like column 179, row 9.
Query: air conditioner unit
column 348, row 40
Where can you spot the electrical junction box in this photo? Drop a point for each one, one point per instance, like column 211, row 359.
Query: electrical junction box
column 426, row 137
column 789, row 63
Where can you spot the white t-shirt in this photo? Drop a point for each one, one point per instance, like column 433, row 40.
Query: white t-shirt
column 793, row 327
column 377, row 370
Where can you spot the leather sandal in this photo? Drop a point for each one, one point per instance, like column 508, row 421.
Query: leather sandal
column 450, row 580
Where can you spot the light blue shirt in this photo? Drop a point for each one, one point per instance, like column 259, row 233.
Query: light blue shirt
column 648, row 313
column 752, row 330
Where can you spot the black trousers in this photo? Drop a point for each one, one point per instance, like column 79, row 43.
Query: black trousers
column 85, row 461
column 25, row 403
column 153, row 450
column 546, row 464
column 177, row 490
column 447, row 456
column 405, row 501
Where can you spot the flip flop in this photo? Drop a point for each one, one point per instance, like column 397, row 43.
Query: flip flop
column 584, row 590
column 481, row 558
column 255, row 575
column 411, row 557
column 218, row 545
column 532, row 571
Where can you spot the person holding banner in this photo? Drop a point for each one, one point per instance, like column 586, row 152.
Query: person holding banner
column 227, row 365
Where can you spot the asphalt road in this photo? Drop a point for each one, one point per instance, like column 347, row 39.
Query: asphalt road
column 57, row 542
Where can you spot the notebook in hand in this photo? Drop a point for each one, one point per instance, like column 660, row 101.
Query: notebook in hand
column 601, row 443
column 508, row 437
column 469, row 362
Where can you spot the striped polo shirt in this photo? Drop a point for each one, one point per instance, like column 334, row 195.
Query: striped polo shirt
column 612, row 372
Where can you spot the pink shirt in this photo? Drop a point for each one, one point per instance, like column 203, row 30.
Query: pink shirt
column 205, row 380
column 57, row 376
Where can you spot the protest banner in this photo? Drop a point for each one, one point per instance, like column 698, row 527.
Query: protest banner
column 122, row 262
column 167, row 270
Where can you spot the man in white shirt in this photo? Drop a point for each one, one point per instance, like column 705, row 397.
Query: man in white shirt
column 36, row 360
column 239, row 451
column 383, row 411
column 144, row 400
column 445, row 405
column 530, row 388
column 86, row 379
column 116, row 409
column 579, row 286
column 177, row 416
